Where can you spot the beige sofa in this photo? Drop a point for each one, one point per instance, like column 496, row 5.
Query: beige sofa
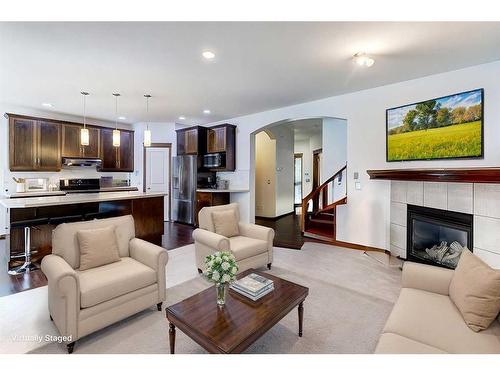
column 82, row 302
column 253, row 248
column 425, row 320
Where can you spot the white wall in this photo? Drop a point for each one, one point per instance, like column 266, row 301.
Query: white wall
column 334, row 154
column 161, row 132
column 265, row 175
column 74, row 172
column 284, row 169
column 365, row 219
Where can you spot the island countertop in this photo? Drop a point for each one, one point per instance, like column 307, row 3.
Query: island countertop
column 75, row 198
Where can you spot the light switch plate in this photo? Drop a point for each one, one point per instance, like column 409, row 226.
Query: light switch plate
column 357, row 185
column 356, row 175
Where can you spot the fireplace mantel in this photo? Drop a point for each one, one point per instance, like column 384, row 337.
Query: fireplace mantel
column 479, row 175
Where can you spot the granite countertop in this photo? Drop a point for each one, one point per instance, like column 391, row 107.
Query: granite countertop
column 75, row 198
column 222, row 190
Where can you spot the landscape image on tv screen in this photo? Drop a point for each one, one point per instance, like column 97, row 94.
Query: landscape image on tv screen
column 442, row 128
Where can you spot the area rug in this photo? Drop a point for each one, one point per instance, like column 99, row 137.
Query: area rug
column 350, row 298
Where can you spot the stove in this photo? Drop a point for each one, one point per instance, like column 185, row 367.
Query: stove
column 90, row 185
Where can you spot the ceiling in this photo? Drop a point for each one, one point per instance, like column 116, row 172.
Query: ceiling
column 258, row 65
column 304, row 130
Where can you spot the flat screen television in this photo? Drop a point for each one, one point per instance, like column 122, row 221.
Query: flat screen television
column 450, row 127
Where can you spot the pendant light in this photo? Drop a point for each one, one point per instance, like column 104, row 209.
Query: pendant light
column 116, row 132
column 84, row 132
column 147, row 132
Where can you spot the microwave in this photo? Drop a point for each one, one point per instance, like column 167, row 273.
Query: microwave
column 214, row 160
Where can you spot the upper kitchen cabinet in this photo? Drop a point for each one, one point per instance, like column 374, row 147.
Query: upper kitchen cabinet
column 48, row 145
column 117, row 159
column 191, row 141
column 71, row 146
column 222, row 139
column 34, row 144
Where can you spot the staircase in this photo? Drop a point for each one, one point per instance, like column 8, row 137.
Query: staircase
column 319, row 208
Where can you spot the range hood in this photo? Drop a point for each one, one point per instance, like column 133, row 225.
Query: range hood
column 81, row 162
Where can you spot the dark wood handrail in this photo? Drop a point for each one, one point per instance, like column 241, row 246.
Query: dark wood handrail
column 313, row 194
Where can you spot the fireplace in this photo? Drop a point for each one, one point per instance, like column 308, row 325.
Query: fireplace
column 436, row 236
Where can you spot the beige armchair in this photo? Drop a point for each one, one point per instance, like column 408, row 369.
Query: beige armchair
column 82, row 302
column 252, row 248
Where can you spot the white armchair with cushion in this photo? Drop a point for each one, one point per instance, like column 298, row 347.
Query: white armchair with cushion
column 220, row 229
column 84, row 298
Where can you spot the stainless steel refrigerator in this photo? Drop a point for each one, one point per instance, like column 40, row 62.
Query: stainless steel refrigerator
column 184, row 181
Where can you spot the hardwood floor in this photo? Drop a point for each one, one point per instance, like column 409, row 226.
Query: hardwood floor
column 176, row 235
column 287, row 230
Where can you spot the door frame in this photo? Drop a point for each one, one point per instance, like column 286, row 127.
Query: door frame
column 299, row 155
column 160, row 145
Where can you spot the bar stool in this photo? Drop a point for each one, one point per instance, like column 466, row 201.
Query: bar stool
column 27, row 225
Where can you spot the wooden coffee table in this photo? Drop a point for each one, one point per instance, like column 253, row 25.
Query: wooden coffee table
column 234, row 327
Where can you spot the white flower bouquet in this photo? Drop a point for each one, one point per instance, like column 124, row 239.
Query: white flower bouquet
column 221, row 269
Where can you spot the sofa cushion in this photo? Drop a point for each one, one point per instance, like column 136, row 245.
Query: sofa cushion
column 475, row 290
column 391, row 343
column 246, row 247
column 433, row 319
column 225, row 223
column 97, row 247
column 104, row 283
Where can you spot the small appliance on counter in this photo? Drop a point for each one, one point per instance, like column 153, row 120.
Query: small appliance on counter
column 222, row 184
column 34, row 187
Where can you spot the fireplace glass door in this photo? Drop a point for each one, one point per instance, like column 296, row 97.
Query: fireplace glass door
column 438, row 237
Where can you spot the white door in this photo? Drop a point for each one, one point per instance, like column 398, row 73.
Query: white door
column 158, row 173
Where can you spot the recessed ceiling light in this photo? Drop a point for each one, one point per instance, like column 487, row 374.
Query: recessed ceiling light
column 363, row 59
column 206, row 111
column 48, row 105
column 209, row 55
column 182, row 118
column 122, row 118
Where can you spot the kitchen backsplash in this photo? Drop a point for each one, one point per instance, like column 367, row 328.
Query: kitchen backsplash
column 239, row 179
column 54, row 177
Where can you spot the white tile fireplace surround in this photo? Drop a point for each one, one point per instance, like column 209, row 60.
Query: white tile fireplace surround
column 480, row 200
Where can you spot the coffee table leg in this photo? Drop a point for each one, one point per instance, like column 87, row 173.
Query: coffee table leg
column 171, row 336
column 301, row 317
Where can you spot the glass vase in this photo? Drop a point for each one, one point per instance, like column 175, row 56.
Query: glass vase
column 221, row 289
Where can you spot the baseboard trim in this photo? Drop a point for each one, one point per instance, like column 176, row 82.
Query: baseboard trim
column 356, row 246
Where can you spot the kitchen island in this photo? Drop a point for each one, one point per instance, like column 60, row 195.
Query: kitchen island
column 43, row 214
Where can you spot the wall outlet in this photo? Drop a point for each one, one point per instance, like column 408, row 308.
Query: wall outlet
column 357, row 185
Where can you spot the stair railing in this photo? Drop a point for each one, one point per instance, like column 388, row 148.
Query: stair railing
column 325, row 197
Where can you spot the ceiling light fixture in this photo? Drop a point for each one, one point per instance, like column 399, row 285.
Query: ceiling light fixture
column 182, row 117
column 122, row 118
column 209, row 55
column 84, row 132
column 147, row 132
column 206, row 111
column 363, row 59
column 48, row 105
column 116, row 132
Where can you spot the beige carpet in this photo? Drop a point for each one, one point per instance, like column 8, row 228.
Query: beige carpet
column 351, row 296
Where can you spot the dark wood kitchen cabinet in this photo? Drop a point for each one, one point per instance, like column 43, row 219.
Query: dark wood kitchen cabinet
column 222, row 139
column 71, row 147
column 208, row 199
column 117, row 159
column 34, row 144
column 191, row 141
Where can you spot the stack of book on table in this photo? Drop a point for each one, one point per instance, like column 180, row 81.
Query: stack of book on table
column 253, row 286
